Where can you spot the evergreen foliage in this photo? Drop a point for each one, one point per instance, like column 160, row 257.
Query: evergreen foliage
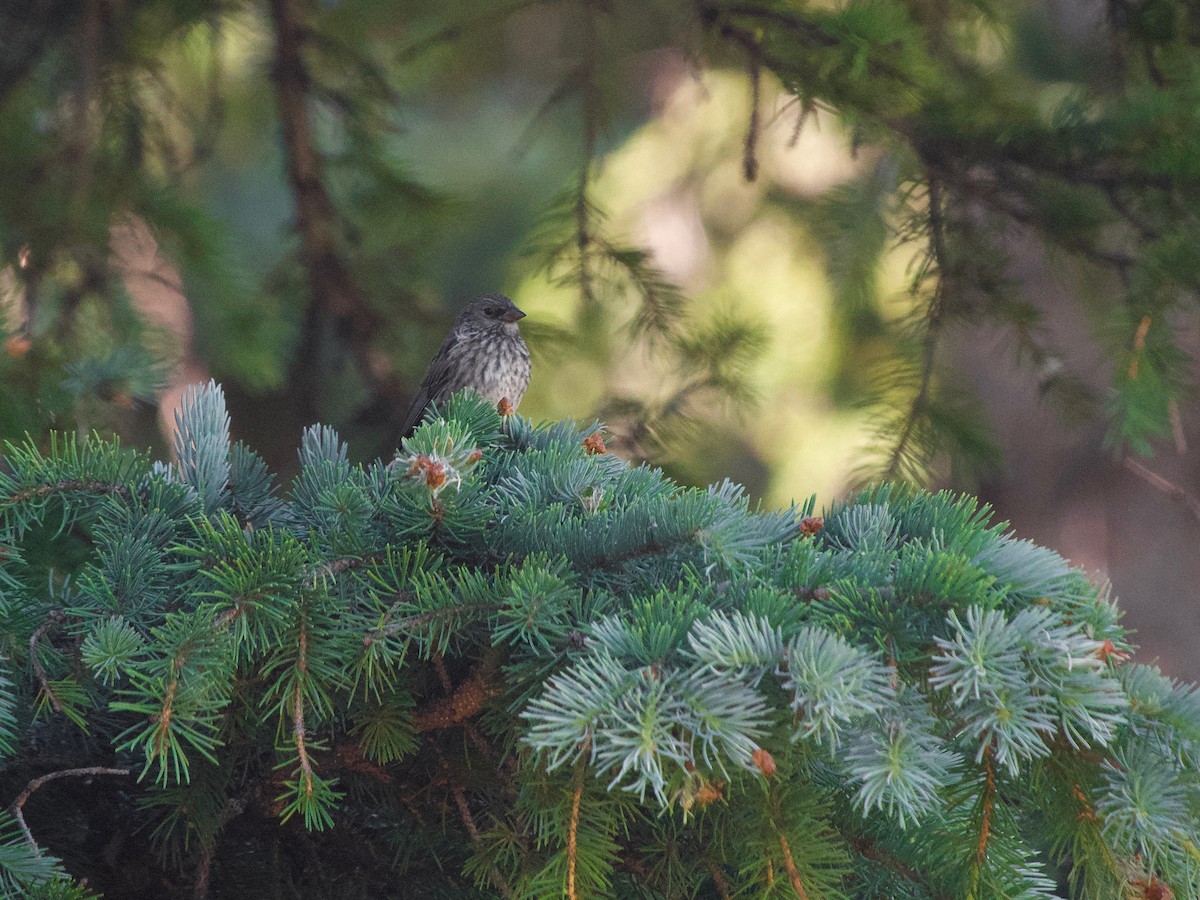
column 508, row 663
column 990, row 129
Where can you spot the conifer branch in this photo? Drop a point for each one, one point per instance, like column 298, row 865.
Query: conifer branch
column 464, row 811
column 468, row 820
column 18, row 805
column 473, row 734
column 583, row 236
column 162, row 730
column 720, row 882
column 750, row 151
column 420, row 620
column 236, row 611
column 346, row 564
column 91, row 44
column 56, row 616
column 1022, row 647
column 628, row 862
column 298, row 727
column 386, row 626
column 641, row 430
column 333, row 289
column 214, row 115
column 1172, row 490
column 589, row 121
column 1144, row 229
column 648, row 549
column 991, row 192
column 573, row 821
column 1177, row 433
column 465, row 703
column 874, row 852
column 1139, row 346
column 934, row 320
column 439, row 666
column 64, row 486
column 808, row 32
column 987, row 804
column 806, row 109
column 1086, row 816
column 203, row 873
column 790, row 864
column 452, row 32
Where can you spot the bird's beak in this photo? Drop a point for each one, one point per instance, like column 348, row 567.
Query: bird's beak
column 513, row 315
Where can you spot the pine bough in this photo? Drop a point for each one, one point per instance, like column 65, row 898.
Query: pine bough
column 508, row 663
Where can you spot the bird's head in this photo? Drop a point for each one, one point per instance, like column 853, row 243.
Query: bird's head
column 491, row 311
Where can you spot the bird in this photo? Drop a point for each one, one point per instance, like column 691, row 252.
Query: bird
column 483, row 352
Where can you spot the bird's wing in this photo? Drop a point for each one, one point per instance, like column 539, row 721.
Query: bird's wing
column 433, row 387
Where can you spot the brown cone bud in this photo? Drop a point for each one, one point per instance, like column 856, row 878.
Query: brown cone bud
column 764, row 760
column 810, row 525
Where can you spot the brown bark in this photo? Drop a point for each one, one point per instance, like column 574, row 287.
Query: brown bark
column 333, row 295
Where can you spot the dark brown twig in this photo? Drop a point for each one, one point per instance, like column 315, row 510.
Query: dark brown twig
column 750, row 152
column 333, row 291
column 465, row 702
column 801, row 117
column 439, row 666
column 876, row 854
column 83, row 139
column 720, row 882
column 589, row 110
column 39, row 670
column 19, row 803
column 1172, row 490
column 468, row 820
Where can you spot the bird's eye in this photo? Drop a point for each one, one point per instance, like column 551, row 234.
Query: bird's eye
column 493, row 311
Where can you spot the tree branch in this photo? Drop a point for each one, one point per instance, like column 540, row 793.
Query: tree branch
column 875, row 853
column 19, row 803
column 573, row 822
column 468, row 820
column 299, row 730
column 419, row 620
column 465, row 703
column 62, row 487
column 987, row 804
column 55, row 617
column 589, row 116
column 1172, row 490
column 720, row 882
column 790, row 864
column 333, row 292
column 750, row 150
column 933, row 327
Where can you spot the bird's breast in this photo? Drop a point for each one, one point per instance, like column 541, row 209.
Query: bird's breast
column 495, row 369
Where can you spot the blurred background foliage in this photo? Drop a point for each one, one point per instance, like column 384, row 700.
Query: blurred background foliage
column 800, row 245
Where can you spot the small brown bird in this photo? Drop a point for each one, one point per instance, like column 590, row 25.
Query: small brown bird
column 483, row 352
